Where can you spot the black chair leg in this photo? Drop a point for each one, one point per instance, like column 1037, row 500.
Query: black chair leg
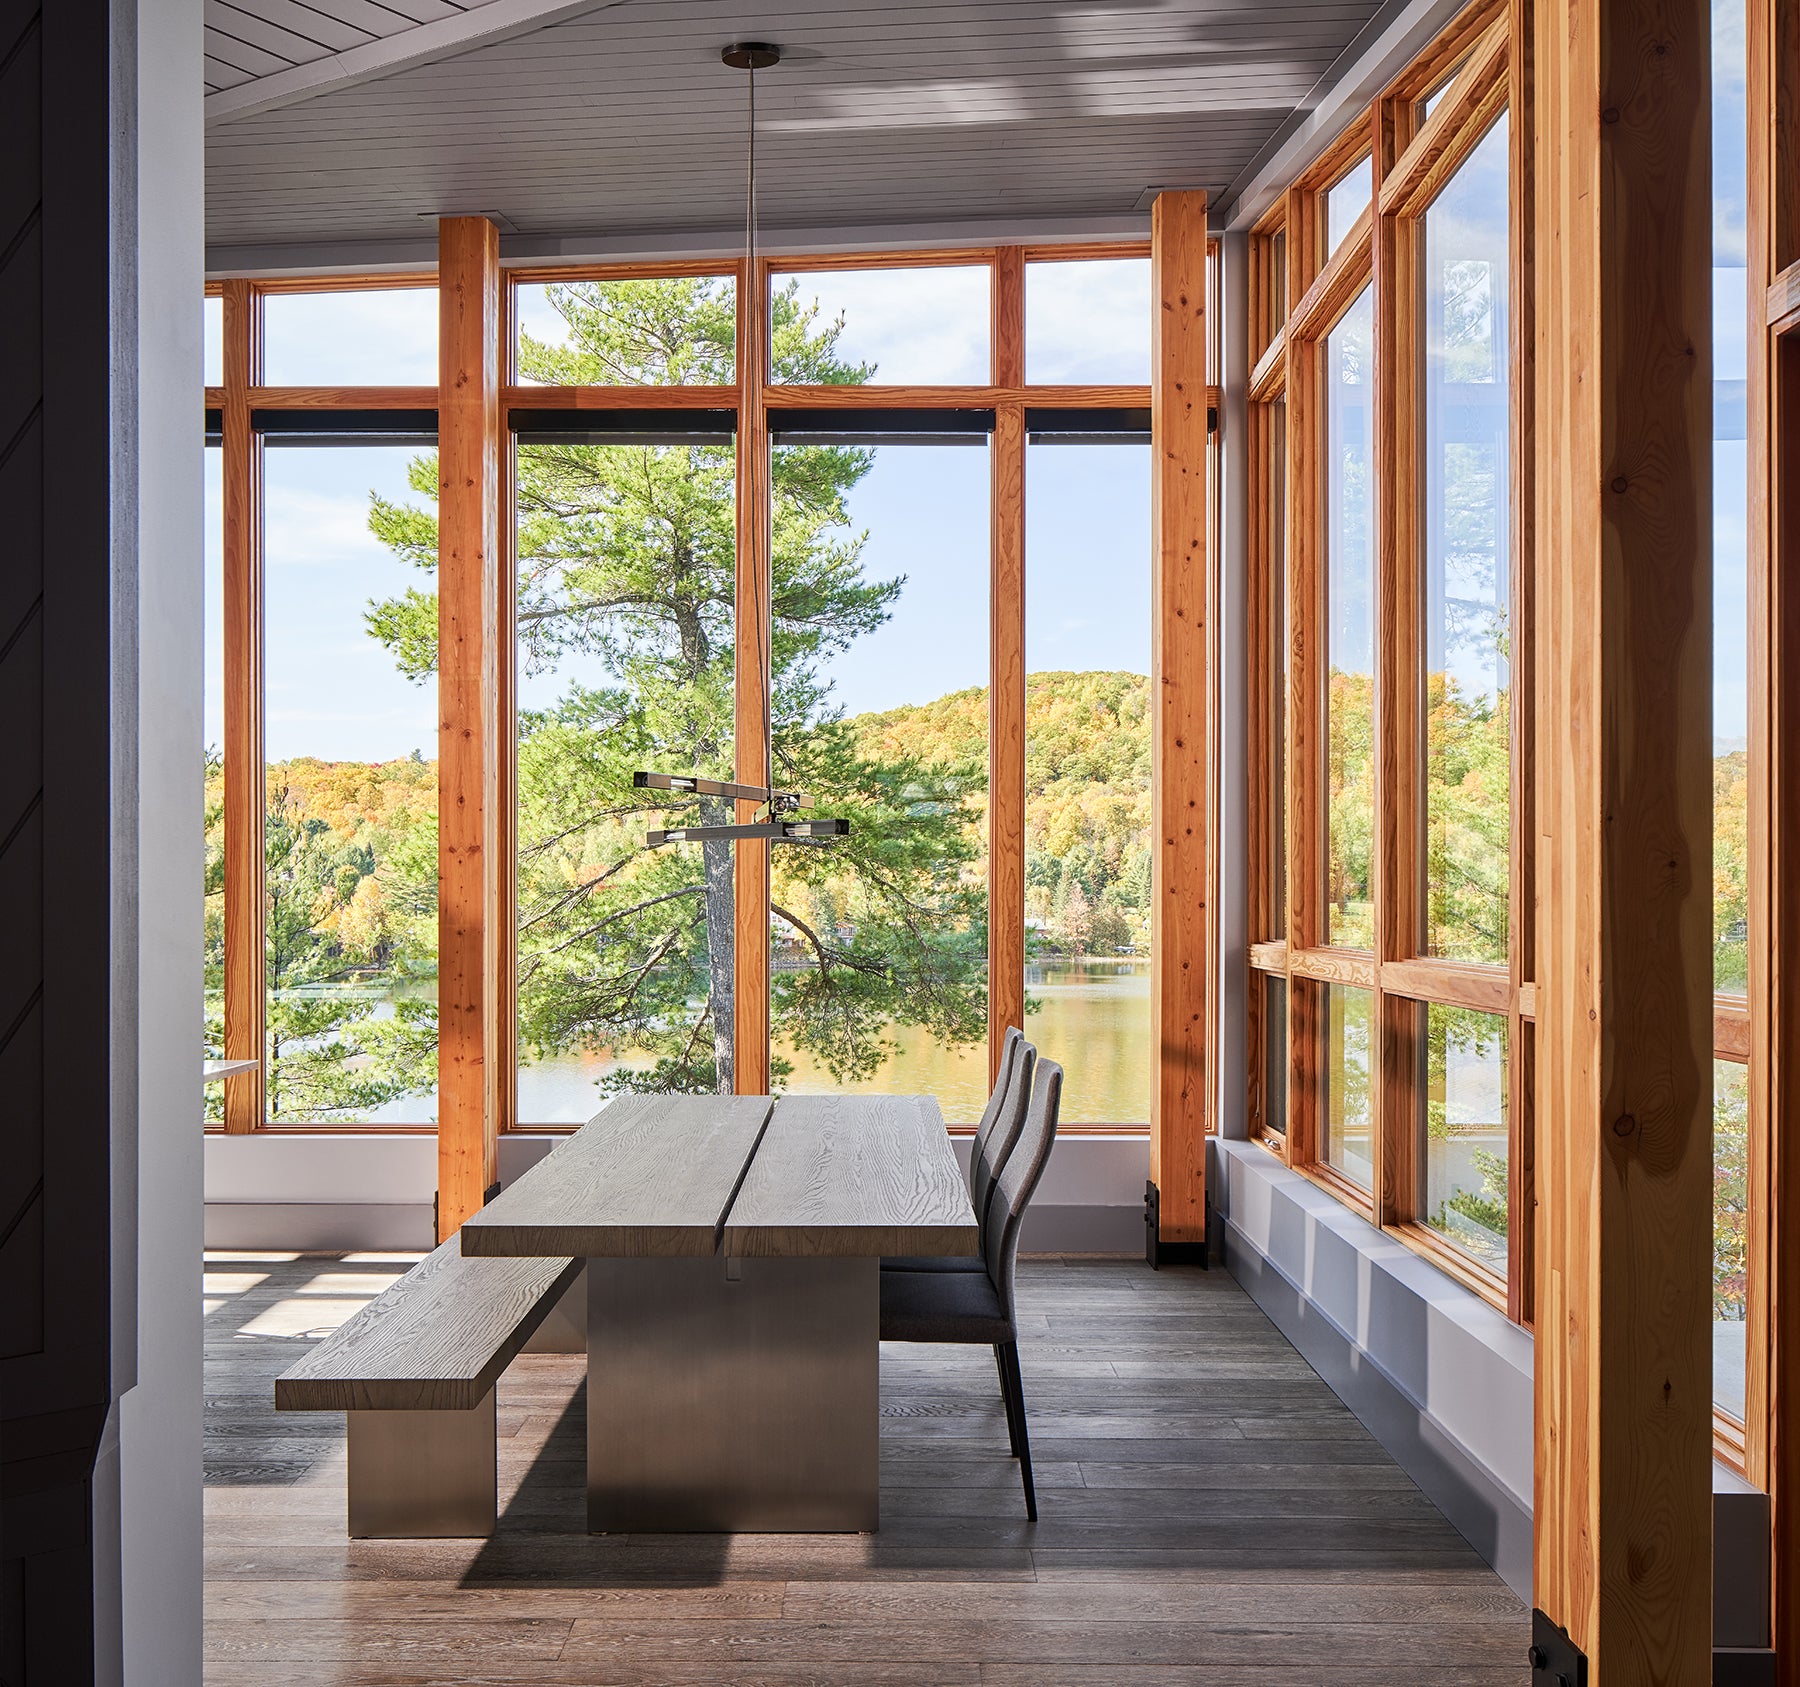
column 1006, row 1399
column 1010, row 1350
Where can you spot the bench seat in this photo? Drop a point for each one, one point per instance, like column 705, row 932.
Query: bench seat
column 414, row 1372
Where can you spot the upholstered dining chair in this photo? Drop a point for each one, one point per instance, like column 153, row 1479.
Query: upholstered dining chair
column 1001, row 1122
column 978, row 1307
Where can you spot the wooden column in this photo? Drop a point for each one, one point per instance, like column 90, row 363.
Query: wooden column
column 1184, row 960
column 753, row 677
column 245, row 768
column 1623, row 1515
column 1006, row 667
column 1772, row 1415
column 1521, row 1063
column 470, row 996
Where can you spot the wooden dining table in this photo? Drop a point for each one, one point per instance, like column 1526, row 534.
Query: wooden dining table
column 733, row 1248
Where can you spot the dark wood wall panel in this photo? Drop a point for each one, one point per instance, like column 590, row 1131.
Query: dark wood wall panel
column 60, row 454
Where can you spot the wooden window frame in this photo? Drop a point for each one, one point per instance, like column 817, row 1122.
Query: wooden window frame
column 1411, row 159
column 1006, row 392
column 1480, row 65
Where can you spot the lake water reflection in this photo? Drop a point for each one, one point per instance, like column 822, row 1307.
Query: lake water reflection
column 1093, row 1016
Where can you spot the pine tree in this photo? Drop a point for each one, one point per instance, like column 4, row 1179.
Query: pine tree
column 626, row 593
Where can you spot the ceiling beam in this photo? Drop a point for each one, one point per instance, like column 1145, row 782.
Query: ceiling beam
column 481, row 26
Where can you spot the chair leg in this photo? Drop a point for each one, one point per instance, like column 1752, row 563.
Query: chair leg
column 1006, row 1399
column 1011, row 1360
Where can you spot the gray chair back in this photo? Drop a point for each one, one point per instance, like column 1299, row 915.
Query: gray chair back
column 990, row 1115
column 1018, row 1180
column 1002, row 1124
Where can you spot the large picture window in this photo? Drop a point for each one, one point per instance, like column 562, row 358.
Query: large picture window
column 626, row 650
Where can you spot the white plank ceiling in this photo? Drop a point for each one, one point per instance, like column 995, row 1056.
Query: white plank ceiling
column 250, row 39
column 620, row 120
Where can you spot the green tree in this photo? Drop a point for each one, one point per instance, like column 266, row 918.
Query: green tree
column 626, row 593
column 328, row 1051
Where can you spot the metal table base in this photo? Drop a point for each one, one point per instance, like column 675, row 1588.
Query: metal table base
column 733, row 1395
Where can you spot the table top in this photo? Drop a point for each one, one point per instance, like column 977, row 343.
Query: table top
column 685, row 1175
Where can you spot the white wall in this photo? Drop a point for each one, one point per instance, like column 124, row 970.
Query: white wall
column 160, row 1418
column 371, row 1190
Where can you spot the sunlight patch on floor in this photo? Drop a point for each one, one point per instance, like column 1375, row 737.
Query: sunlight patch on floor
column 312, row 1317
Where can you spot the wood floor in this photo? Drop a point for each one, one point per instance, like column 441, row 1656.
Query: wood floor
column 1210, row 1514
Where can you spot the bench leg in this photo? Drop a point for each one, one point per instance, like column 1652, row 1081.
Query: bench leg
column 420, row 1475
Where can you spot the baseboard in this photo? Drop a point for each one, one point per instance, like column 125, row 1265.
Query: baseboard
column 318, row 1226
column 1486, row 1513
column 334, row 1226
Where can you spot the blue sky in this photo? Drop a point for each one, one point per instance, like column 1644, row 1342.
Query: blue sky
column 332, row 691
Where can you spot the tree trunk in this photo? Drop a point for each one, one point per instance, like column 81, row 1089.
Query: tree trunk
column 721, row 941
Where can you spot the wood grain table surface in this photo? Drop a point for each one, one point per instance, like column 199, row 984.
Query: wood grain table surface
column 684, row 1176
column 852, row 1176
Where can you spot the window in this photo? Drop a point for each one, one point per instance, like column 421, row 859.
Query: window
column 1346, row 200
column 1275, row 1054
column 373, row 336
column 628, row 651
column 1088, row 321
column 1397, row 1046
column 1277, row 670
column 626, row 557
column 1731, row 1233
column 1731, row 694
column 891, row 327
column 878, row 945
column 1466, row 1142
column 350, row 834
column 212, row 340
column 1466, row 495
column 1087, row 772
column 628, row 332
column 1350, row 627
column 213, row 742
column 1346, row 1114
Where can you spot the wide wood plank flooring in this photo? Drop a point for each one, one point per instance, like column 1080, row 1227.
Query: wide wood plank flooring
column 1210, row 1514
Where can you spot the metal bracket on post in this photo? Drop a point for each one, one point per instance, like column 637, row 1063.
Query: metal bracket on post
column 1157, row 1252
column 1556, row 1661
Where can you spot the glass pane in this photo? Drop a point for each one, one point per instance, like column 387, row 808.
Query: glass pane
column 1344, row 202
column 1731, row 620
column 878, row 943
column 1087, row 773
column 1278, row 262
column 1278, row 664
column 898, row 327
column 1274, row 1053
column 212, row 342
column 1088, row 322
column 1466, row 1146
column 213, row 741
column 1435, row 98
column 1468, row 686
column 626, row 583
column 1350, row 627
column 385, row 336
column 679, row 331
column 350, row 834
column 1346, row 1136
column 1731, row 1210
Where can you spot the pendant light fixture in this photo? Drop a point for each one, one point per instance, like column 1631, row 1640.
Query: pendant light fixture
column 750, row 56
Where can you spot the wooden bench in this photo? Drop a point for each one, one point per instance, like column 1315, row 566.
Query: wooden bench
column 414, row 1373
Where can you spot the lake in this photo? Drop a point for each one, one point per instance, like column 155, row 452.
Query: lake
column 1093, row 1016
